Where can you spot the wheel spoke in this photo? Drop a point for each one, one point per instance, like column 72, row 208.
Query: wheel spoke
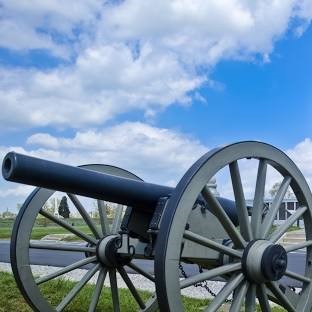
column 67, row 269
column 257, row 209
column 277, row 201
column 297, row 276
column 291, row 248
column 131, row 287
column 278, row 233
column 74, row 292
column 63, row 247
column 151, row 304
column 250, row 304
column 288, row 293
column 281, row 298
column 97, row 290
column 224, row 219
column 210, row 274
column 263, row 298
column 85, row 215
column 203, row 241
column 292, row 296
column 117, row 219
column 224, row 293
column 68, row 227
column 103, row 217
column 114, row 290
column 239, row 296
column 240, row 201
column 140, row 271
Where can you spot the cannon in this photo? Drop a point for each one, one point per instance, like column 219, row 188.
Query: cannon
column 188, row 226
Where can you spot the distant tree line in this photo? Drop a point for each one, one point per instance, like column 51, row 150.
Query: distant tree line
column 8, row 214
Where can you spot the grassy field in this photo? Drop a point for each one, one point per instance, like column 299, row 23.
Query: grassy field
column 11, row 300
column 40, row 231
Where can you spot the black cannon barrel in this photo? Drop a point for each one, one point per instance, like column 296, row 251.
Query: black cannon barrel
column 59, row 177
column 42, row 173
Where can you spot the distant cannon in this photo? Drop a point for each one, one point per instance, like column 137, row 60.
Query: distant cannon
column 185, row 225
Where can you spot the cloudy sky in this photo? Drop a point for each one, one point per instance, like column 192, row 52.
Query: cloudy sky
column 152, row 85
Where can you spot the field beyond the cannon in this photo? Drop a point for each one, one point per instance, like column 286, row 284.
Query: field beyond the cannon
column 41, row 230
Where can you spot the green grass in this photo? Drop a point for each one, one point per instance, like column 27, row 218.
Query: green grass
column 290, row 229
column 293, row 228
column 12, row 300
column 39, row 232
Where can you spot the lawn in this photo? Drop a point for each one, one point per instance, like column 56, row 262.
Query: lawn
column 11, row 299
column 40, row 231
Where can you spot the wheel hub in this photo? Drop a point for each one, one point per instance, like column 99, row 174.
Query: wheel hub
column 263, row 261
column 107, row 254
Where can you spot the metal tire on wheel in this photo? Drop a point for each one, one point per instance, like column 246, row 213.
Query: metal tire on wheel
column 258, row 261
column 21, row 245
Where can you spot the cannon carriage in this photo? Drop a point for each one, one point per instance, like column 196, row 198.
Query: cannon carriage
column 174, row 227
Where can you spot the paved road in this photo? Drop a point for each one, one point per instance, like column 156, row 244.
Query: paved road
column 296, row 260
column 59, row 258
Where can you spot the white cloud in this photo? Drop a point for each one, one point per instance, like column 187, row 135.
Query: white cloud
column 301, row 154
column 132, row 55
column 158, row 155
column 202, row 32
column 49, row 24
column 304, row 11
column 18, row 191
column 104, row 82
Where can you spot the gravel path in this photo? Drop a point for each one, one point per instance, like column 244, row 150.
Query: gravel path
column 139, row 281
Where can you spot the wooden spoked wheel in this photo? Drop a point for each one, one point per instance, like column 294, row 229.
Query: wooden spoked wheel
column 257, row 263
column 89, row 247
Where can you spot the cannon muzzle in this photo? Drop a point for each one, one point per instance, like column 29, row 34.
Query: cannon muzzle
column 59, row 177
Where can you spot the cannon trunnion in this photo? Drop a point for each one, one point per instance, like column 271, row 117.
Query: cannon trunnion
column 191, row 235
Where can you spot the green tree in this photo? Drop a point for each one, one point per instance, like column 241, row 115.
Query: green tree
column 48, row 207
column 109, row 209
column 18, row 206
column 8, row 214
column 273, row 191
column 63, row 208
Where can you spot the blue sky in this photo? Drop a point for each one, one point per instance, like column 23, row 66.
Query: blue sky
column 152, row 87
column 271, row 102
